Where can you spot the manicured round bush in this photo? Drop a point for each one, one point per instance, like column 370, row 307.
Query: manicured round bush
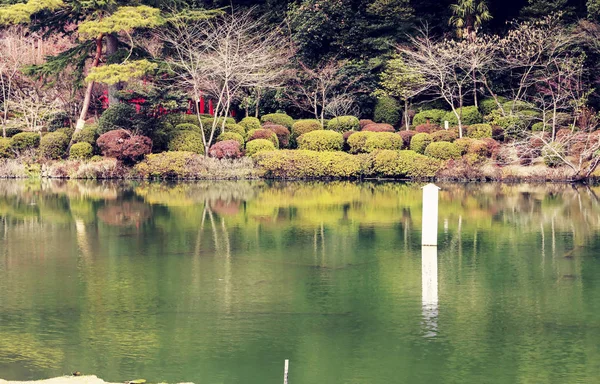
column 68, row 131
column 407, row 137
column 135, row 148
column 88, row 134
column 463, row 144
column 236, row 128
column 343, row 124
column 118, row 116
column 383, row 140
column 187, row 127
column 379, row 127
column 426, row 128
column 420, row 141
column 258, row 145
column 250, row 123
column 187, row 141
column 321, row 140
column 279, row 119
column 364, row 122
column 470, row 115
column 5, row 150
column 387, row 111
column 389, row 163
column 10, row 132
column 431, row 116
column 479, row 131
column 479, row 147
column 283, row 134
column 552, row 153
column 82, row 150
column 228, row 149
column 122, row 145
column 53, row 145
column 231, row 136
column 25, row 140
column 262, row 133
column 301, row 127
column 444, row 135
column 487, row 105
column 303, row 164
column 357, row 141
column 167, row 165
column 208, row 121
column 443, row 150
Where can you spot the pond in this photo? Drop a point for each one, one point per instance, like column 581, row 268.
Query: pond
column 220, row 282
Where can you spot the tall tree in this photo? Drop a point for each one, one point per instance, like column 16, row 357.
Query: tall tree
column 468, row 16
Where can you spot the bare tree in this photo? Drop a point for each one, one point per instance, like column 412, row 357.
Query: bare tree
column 222, row 56
column 341, row 105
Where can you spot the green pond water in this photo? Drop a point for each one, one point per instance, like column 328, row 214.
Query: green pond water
column 220, row 282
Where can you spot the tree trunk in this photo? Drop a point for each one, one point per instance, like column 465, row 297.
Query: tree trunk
column 257, row 102
column 112, row 45
column 406, row 122
column 475, row 89
column 88, row 92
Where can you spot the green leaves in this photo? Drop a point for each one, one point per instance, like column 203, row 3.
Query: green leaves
column 21, row 13
column 115, row 73
column 124, row 19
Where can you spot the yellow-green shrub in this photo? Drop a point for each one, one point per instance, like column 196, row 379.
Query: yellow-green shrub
column 259, row 145
column 82, row 150
column 357, row 141
column 463, row 144
column 249, row 123
column 321, row 140
column 479, row 131
column 25, row 140
column 383, row 140
column 443, row 150
column 444, row 135
column 166, row 165
column 279, row 119
column 304, row 164
column 237, row 128
column 5, row 150
column 187, row 141
column 469, row 115
column 231, row 136
column 420, row 141
column 343, row 124
column 301, row 127
column 54, row 145
column 188, row 127
column 430, row 116
column 89, row 134
column 410, row 164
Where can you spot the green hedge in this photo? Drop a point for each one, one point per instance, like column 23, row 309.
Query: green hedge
column 343, row 124
column 118, row 116
column 237, row 128
column 301, row 127
column 479, row 131
column 434, row 116
column 420, row 141
column 401, row 164
column 304, row 164
column 54, row 145
column 82, row 150
column 321, row 140
column 187, row 141
column 5, row 148
column 357, row 141
column 231, row 136
column 188, row 127
column 279, row 119
column 250, row 123
column 259, row 145
column 25, row 140
column 470, row 115
column 444, row 135
column 443, row 151
column 487, row 105
column 383, row 140
column 88, row 134
column 387, row 111
column 167, row 165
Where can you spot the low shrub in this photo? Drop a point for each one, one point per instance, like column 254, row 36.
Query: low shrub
column 228, row 149
column 259, row 145
column 25, row 140
column 279, row 119
column 58, row 120
column 283, row 134
column 443, row 150
column 487, row 105
column 118, row 116
column 479, row 131
column 402, row 164
column 304, row 164
column 82, row 150
column 68, row 131
column 426, row 128
column 553, row 154
column 364, row 122
column 357, row 141
column 187, row 141
column 383, row 140
column 265, row 134
column 343, row 124
column 236, row 128
column 124, row 146
column 301, row 127
column 379, row 127
column 53, row 145
column 88, row 134
column 444, row 135
column 463, row 144
column 540, row 127
column 208, row 122
column 387, row 111
column 5, row 148
column 187, row 127
column 167, row 165
column 419, row 142
column 406, row 137
column 479, row 148
column 249, row 123
column 321, row 140
column 10, row 132
column 431, row 116
column 231, row 136
column 469, row 115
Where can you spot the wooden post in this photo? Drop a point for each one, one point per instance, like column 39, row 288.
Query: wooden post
column 429, row 230
column 285, row 371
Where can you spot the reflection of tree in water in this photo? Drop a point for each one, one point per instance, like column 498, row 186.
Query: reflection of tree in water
column 225, row 207
column 125, row 213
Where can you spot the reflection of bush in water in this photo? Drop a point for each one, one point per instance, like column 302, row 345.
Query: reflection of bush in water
column 126, row 213
column 225, row 208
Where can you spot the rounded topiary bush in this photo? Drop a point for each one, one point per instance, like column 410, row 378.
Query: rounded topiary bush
column 379, row 127
column 387, row 111
column 420, row 141
column 463, row 144
column 187, row 141
column 321, row 140
column 227, row 149
column 10, row 132
column 301, row 127
column 231, row 136
column 118, row 116
column 426, row 128
column 255, row 146
column 383, row 140
column 487, row 105
column 236, row 128
column 469, row 115
column 357, row 141
column 124, row 146
column 5, row 150
column 53, row 145
column 479, row 147
column 406, row 137
column 479, row 131
column 82, row 150
column 404, row 164
column 187, row 127
column 265, row 134
column 443, row 150
column 279, row 119
column 343, row 124
column 444, row 135
column 283, row 134
column 364, row 122
column 431, row 116
column 88, row 134
column 250, row 123
column 553, row 154
column 58, row 120
column 25, row 140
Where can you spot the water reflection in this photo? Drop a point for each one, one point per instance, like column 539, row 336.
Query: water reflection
column 429, row 286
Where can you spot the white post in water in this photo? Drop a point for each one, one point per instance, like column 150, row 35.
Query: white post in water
column 285, row 371
column 429, row 230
